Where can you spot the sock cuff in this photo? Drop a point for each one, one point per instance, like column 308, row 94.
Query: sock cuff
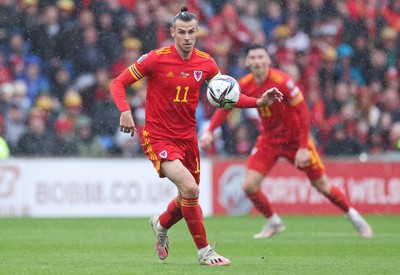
column 190, row 202
column 255, row 194
column 177, row 203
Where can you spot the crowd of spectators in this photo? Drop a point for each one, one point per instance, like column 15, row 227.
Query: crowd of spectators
column 58, row 57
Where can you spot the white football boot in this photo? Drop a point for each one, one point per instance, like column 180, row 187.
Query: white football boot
column 210, row 257
column 363, row 228
column 161, row 246
column 273, row 226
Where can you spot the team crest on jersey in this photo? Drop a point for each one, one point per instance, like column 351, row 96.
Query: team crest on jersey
column 198, row 75
column 163, row 154
column 290, row 84
column 143, row 57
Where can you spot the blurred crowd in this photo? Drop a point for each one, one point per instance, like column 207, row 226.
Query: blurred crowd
column 58, row 57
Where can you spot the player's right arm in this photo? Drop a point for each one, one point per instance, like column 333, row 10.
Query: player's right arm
column 132, row 74
column 117, row 89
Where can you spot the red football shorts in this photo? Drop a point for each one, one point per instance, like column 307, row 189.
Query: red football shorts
column 265, row 155
column 187, row 151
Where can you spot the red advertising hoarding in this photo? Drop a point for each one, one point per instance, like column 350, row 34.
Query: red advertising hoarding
column 372, row 188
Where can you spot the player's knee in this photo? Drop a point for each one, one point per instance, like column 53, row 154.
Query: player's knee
column 322, row 185
column 249, row 188
column 190, row 191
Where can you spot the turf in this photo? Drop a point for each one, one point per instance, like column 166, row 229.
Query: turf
column 310, row 245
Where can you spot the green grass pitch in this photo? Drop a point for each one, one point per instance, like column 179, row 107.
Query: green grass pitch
column 310, row 245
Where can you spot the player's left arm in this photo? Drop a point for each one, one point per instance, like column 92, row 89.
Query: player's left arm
column 305, row 123
column 213, row 68
column 298, row 103
column 266, row 99
column 208, row 81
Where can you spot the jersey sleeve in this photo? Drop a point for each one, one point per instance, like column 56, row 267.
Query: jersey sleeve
column 214, row 70
column 295, row 99
column 218, row 118
column 117, row 89
column 305, row 121
column 133, row 73
column 246, row 102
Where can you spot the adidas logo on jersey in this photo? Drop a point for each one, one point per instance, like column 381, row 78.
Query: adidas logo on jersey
column 170, row 74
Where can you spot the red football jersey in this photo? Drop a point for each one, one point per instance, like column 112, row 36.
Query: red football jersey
column 173, row 87
column 286, row 121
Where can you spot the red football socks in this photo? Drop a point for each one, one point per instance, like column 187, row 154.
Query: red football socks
column 338, row 198
column 261, row 202
column 193, row 216
column 172, row 215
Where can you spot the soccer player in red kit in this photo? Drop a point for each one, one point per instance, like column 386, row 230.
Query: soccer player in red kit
column 174, row 77
column 285, row 129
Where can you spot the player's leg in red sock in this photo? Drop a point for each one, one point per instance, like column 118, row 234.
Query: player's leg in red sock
column 172, row 215
column 332, row 192
column 337, row 197
column 252, row 188
column 261, row 203
column 193, row 216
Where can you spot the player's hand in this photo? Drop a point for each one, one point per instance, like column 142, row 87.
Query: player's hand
column 269, row 97
column 206, row 140
column 126, row 123
column 302, row 158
